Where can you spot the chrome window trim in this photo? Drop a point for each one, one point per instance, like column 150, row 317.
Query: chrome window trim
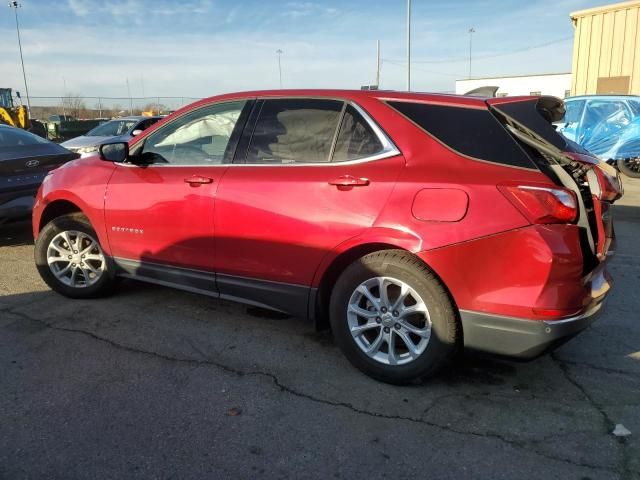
column 388, row 147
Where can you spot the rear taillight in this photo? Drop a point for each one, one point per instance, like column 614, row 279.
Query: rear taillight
column 606, row 185
column 542, row 204
column 610, row 186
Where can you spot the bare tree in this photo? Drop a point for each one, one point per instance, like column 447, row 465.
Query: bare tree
column 73, row 104
column 156, row 108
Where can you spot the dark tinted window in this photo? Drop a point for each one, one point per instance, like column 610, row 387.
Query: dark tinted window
column 356, row 138
column 294, row 131
column 530, row 114
column 146, row 123
column 469, row 131
column 15, row 137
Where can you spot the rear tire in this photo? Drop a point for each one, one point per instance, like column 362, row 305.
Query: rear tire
column 630, row 167
column 393, row 319
column 70, row 259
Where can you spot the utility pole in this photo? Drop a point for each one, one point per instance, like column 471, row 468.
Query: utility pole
column 378, row 64
column 15, row 5
column 279, row 52
column 408, row 45
column 471, row 32
column 130, row 99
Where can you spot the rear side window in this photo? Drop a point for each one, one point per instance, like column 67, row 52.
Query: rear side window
column 356, row 138
column 472, row 132
column 295, row 131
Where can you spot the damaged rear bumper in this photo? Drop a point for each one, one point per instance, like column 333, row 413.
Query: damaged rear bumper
column 526, row 338
column 518, row 338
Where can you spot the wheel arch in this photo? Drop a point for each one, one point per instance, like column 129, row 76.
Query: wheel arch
column 56, row 209
column 318, row 307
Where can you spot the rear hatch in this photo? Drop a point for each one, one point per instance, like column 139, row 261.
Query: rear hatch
column 596, row 184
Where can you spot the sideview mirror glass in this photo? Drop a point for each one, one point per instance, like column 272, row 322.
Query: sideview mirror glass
column 136, row 132
column 114, row 152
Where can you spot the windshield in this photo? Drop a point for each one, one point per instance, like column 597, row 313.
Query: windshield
column 112, row 128
column 14, row 137
column 5, row 98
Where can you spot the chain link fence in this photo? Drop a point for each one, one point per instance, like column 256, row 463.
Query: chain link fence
column 92, row 108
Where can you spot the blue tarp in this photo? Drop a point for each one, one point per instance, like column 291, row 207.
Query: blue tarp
column 607, row 127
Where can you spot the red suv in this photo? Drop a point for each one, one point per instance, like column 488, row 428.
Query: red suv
column 415, row 223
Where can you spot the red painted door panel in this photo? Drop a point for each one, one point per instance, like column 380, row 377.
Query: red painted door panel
column 277, row 222
column 163, row 214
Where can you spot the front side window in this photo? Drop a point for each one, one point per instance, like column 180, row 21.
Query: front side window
column 294, row 131
column 201, row 137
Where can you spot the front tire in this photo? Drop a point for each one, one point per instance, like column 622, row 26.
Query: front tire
column 70, row 259
column 630, row 167
column 392, row 318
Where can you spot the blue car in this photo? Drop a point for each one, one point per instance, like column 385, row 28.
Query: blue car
column 607, row 126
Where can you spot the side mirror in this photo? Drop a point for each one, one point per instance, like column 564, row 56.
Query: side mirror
column 136, row 132
column 114, row 152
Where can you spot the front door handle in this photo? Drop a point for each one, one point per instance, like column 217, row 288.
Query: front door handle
column 349, row 181
column 195, row 180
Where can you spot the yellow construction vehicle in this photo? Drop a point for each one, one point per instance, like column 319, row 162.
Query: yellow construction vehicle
column 18, row 115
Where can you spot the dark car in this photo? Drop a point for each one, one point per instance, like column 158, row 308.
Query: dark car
column 25, row 159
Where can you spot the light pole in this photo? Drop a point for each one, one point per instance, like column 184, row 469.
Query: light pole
column 279, row 52
column 15, row 5
column 471, row 32
column 408, row 45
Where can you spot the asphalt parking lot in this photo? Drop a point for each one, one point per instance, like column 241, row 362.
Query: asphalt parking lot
column 157, row 383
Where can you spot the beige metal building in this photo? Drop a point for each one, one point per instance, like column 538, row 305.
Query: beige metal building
column 606, row 50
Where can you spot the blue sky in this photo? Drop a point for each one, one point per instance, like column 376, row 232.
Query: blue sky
column 204, row 47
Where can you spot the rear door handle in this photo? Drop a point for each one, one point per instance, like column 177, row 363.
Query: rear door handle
column 195, row 180
column 349, row 181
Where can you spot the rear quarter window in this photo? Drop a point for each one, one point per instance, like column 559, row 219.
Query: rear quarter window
column 472, row 132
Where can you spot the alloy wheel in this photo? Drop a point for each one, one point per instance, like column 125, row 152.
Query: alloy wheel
column 76, row 259
column 389, row 321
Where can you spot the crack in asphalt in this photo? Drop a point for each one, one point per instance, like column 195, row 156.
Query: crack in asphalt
column 597, row 367
column 608, row 423
column 520, row 445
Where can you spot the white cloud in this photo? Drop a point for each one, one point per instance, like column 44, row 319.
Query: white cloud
column 80, row 8
column 131, row 9
column 305, row 9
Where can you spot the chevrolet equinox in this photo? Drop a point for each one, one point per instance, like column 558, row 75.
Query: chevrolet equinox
column 416, row 224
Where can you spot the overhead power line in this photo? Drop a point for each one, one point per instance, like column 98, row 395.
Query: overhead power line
column 482, row 57
column 402, row 64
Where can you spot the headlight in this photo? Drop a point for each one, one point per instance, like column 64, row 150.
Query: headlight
column 90, row 149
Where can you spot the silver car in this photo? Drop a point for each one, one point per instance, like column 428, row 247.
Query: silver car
column 121, row 129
